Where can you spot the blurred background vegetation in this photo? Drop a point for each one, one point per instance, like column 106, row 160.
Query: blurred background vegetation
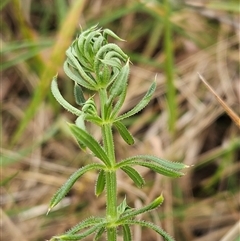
column 169, row 40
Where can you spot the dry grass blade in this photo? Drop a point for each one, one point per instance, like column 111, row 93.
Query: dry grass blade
column 228, row 110
column 233, row 233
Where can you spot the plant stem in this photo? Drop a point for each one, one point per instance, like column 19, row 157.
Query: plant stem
column 111, row 179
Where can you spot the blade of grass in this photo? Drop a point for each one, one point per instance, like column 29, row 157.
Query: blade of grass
column 224, row 6
column 110, row 16
column 56, row 59
column 25, row 45
column 3, row 3
column 61, row 8
column 228, row 110
column 20, row 58
column 26, row 31
column 169, row 68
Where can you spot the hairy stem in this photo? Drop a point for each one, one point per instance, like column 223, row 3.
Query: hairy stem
column 111, row 179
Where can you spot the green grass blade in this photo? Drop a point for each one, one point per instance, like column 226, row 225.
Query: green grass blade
column 3, row 3
column 169, row 68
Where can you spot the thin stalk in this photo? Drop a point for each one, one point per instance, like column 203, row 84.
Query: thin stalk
column 111, row 179
column 169, row 68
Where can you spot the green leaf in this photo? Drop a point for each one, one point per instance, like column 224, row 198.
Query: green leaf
column 120, row 83
column 61, row 100
column 107, row 111
column 134, row 175
column 91, row 221
column 160, row 169
column 78, row 94
column 71, row 237
column 122, row 207
column 94, row 119
column 145, row 100
column 60, row 194
column 123, row 131
column 119, row 104
column 74, row 75
column 100, row 184
column 101, row 53
column 155, row 166
column 134, row 212
column 163, row 162
column 89, row 107
column 72, row 60
column 91, row 143
column 152, row 226
column 126, row 233
column 109, row 32
column 80, row 122
column 177, row 166
column 112, row 62
column 99, row 234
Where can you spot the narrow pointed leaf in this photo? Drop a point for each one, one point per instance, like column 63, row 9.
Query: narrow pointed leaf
column 122, row 207
column 160, row 169
column 61, row 193
column 112, row 63
column 91, row 221
column 100, row 184
column 152, row 226
column 145, row 100
column 80, row 69
column 94, row 119
column 120, row 83
column 107, row 110
column 162, row 162
column 74, row 75
column 151, row 165
column 61, row 100
column 99, row 234
column 109, row 32
column 91, row 143
column 134, row 175
column 78, row 94
column 134, row 212
column 127, row 236
column 123, row 131
column 72, row 237
column 119, row 103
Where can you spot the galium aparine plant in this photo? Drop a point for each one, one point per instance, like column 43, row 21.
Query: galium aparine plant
column 103, row 68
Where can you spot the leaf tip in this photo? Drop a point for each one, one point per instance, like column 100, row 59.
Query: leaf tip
column 48, row 211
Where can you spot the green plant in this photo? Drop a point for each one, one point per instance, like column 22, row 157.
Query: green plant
column 102, row 67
